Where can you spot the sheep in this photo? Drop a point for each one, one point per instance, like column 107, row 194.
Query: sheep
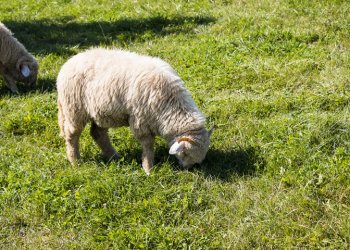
column 16, row 64
column 114, row 88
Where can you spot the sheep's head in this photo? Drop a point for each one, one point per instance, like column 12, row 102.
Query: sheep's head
column 191, row 148
column 27, row 70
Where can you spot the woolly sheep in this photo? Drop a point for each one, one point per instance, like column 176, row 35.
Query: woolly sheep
column 113, row 88
column 16, row 64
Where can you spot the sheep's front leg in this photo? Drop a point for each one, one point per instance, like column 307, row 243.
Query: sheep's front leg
column 101, row 137
column 147, row 153
column 11, row 84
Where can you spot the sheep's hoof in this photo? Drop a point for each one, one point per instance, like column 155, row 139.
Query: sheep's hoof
column 147, row 170
column 15, row 92
column 13, row 89
column 113, row 157
column 75, row 162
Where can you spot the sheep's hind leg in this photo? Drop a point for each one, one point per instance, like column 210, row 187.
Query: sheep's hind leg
column 60, row 118
column 147, row 153
column 72, row 141
column 100, row 135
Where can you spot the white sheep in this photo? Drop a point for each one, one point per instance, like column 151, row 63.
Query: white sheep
column 113, row 88
column 16, row 64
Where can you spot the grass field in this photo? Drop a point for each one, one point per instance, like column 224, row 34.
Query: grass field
column 274, row 76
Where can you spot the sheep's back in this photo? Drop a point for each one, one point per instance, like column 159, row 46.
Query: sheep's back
column 10, row 47
column 112, row 85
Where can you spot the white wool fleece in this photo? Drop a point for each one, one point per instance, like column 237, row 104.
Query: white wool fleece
column 113, row 88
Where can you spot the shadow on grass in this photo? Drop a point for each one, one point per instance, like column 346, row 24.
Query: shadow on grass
column 224, row 164
column 221, row 164
column 218, row 164
column 42, row 85
column 62, row 36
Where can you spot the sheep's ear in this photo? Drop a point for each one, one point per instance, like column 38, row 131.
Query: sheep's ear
column 25, row 70
column 22, row 65
column 177, row 147
column 180, row 145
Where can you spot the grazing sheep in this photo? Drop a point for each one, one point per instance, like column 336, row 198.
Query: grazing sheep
column 113, row 88
column 16, row 64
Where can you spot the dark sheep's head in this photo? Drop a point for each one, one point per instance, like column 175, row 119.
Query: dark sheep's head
column 27, row 70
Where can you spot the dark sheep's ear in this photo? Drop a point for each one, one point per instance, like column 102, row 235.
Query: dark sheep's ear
column 22, row 66
column 25, row 70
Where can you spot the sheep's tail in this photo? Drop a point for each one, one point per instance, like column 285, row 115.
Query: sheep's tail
column 60, row 118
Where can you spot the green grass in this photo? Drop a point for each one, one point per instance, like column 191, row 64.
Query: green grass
column 274, row 77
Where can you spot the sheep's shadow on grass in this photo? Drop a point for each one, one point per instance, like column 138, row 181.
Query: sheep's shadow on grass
column 223, row 164
column 218, row 164
column 43, row 85
column 64, row 35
